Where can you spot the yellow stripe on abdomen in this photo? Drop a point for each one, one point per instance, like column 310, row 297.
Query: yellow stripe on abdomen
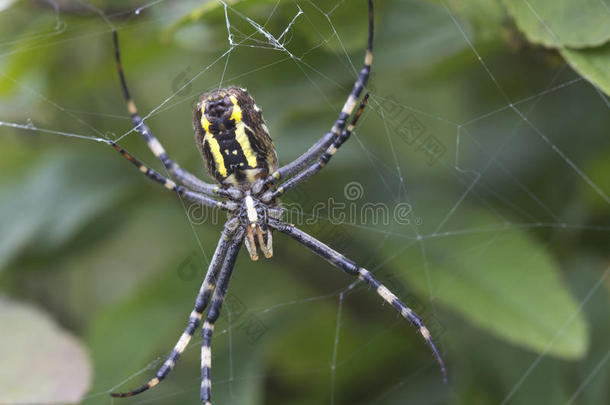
column 240, row 133
column 244, row 142
column 216, row 154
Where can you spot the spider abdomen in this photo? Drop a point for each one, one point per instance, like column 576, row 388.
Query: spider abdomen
column 233, row 138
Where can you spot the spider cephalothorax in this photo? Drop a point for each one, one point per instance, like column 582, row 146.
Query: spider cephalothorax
column 254, row 216
column 233, row 139
column 239, row 155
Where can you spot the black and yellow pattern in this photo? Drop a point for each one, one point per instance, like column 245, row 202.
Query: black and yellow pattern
column 233, row 138
column 239, row 154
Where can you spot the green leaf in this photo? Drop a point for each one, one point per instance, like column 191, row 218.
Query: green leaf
column 506, row 283
column 56, row 199
column 43, row 364
column 593, row 64
column 598, row 168
column 559, row 23
column 486, row 16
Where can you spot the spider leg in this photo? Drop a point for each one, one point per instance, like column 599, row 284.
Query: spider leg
column 195, row 318
column 338, row 260
column 315, row 167
column 321, row 145
column 183, row 176
column 184, row 192
column 213, row 313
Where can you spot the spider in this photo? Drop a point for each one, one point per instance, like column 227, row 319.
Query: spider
column 238, row 152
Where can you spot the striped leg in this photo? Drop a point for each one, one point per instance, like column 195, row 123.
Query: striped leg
column 170, row 185
column 322, row 161
column 319, row 147
column 195, row 318
column 338, row 260
column 213, row 313
column 183, row 176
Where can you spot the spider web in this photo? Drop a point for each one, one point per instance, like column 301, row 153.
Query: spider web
column 470, row 161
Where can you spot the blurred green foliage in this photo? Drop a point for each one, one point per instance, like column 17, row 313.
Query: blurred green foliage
column 504, row 252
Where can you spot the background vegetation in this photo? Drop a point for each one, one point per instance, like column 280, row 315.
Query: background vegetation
column 505, row 253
